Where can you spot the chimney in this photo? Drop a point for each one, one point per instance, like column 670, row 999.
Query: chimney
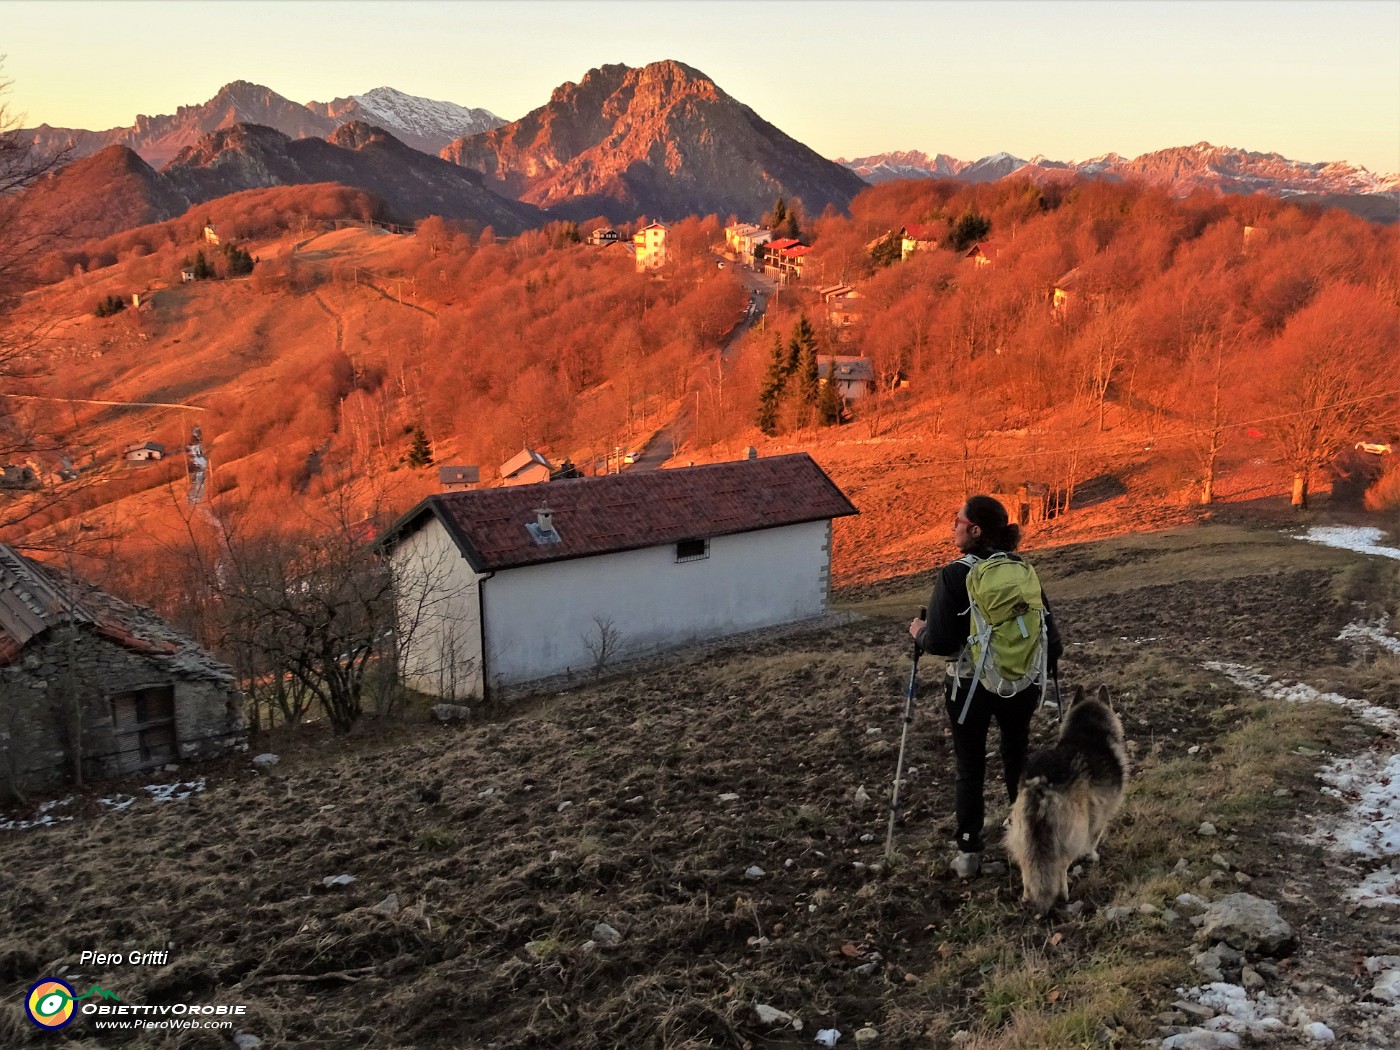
column 750, row 453
column 544, row 519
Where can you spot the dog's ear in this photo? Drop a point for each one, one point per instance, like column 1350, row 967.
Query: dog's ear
column 1104, row 698
column 1078, row 697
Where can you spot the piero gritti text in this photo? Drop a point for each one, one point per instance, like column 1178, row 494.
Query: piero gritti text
column 136, row 958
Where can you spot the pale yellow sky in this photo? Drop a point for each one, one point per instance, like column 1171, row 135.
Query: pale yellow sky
column 1314, row 81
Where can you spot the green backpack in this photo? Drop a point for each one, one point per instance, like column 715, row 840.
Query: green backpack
column 1007, row 636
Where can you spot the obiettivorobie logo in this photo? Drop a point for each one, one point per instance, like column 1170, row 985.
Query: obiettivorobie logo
column 52, row 1003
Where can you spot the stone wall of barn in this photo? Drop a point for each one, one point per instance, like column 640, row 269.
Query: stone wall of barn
column 62, row 689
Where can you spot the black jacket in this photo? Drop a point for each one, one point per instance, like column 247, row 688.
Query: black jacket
column 949, row 614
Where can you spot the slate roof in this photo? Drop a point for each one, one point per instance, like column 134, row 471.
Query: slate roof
column 850, row 369
column 630, row 511
column 34, row 598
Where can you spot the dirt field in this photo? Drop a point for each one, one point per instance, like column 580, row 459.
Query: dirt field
column 710, row 812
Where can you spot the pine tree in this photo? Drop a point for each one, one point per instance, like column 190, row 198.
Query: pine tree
column 830, row 409
column 808, row 386
column 772, row 391
column 888, row 251
column 202, row 270
column 420, row 453
column 967, row 231
column 779, row 215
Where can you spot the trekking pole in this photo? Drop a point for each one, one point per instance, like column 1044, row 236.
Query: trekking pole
column 903, row 736
column 1059, row 701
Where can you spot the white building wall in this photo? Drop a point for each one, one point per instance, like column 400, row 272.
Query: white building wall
column 540, row 618
column 439, row 614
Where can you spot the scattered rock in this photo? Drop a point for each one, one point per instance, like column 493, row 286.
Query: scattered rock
column 246, row 1041
column 451, row 712
column 729, row 796
column 862, row 796
column 828, row 1036
column 562, row 806
column 754, row 872
column 1207, row 829
column 1319, row 1033
column 264, row 761
column 771, row 1015
column 332, row 881
column 867, row 1036
column 1387, row 987
column 1201, row 1039
column 1248, row 923
column 1221, row 861
column 1250, row 979
column 1116, row 913
column 605, row 934
column 388, row 907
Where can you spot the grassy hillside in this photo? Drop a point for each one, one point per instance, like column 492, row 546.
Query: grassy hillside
column 505, row 842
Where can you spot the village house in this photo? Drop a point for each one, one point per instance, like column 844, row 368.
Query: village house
column 918, row 237
column 458, row 477
column 650, row 245
column 748, row 242
column 525, row 468
column 210, row 235
column 982, row 253
column 854, row 376
column 509, row 585
column 1063, row 293
column 91, row 684
column 603, row 235
column 145, row 452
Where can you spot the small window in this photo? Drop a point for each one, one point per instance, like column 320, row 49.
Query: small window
column 692, row 550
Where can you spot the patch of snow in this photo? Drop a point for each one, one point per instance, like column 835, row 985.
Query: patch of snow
column 175, row 792
column 425, row 116
column 1371, row 634
column 1257, row 1015
column 119, row 801
column 1369, row 782
column 1359, row 538
column 44, row 816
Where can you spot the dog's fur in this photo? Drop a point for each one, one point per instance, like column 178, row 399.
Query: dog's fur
column 1066, row 798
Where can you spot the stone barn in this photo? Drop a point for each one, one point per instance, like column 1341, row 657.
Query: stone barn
column 94, row 684
column 509, row 585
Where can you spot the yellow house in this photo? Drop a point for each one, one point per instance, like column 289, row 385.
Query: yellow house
column 650, row 245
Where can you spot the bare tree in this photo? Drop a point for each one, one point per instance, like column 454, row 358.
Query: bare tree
column 603, row 643
column 1331, row 378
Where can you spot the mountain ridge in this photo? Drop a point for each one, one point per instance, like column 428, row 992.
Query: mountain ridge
column 424, row 124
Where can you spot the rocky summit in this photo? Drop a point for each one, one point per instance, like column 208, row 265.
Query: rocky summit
column 662, row 140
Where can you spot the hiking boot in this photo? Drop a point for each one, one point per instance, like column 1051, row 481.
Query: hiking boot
column 966, row 865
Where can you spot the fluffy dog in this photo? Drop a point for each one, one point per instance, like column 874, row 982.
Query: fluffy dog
column 1066, row 798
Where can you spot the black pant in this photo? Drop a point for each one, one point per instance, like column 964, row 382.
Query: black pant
column 1013, row 715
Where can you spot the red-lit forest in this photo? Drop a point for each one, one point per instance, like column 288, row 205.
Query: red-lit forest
column 1107, row 332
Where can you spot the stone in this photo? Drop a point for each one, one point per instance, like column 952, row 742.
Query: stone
column 605, row 934
column 1387, row 987
column 771, row 1015
column 388, row 907
column 1248, row 923
column 754, row 872
column 333, row 881
column 266, row 761
column 1207, row 829
column 246, row 1041
column 867, row 1036
column 451, row 712
column 1201, row 1039
column 1319, row 1033
column 1190, row 904
column 1250, row 979
column 862, row 796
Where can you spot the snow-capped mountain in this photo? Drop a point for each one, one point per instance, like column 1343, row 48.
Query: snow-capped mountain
column 425, row 124
column 1182, row 169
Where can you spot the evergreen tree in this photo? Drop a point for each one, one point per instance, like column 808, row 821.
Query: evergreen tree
column 772, row 391
column 779, row 215
column 202, row 270
column 967, row 231
column 420, row 453
column 239, row 261
column 888, row 251
column 830, row 409
column 805, row 364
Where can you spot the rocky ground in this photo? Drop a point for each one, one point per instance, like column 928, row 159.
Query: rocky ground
column 692, row 853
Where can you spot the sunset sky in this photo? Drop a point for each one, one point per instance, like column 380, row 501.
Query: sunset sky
column 1314, row 81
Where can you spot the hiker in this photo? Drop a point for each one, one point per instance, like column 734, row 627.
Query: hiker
column 981, row 531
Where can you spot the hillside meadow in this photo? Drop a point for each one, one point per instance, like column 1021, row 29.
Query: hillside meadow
column 647, row 859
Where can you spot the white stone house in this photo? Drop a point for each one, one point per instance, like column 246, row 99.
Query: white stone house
column 854, row 376
column 498, row 587
column 526, row 467
column 145, row 452
column 93, row 683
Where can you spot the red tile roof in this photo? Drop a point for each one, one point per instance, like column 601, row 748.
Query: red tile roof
column 922, row 231
column 781, row 243
column 621, row 512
